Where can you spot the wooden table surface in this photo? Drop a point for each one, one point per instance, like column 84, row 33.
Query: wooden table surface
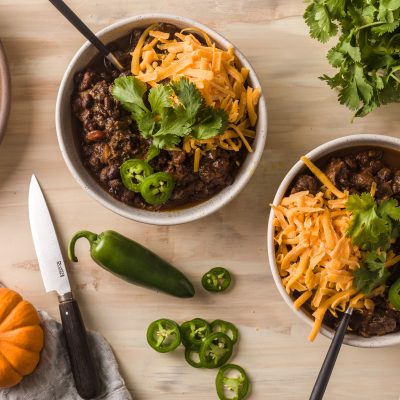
column 303, row 113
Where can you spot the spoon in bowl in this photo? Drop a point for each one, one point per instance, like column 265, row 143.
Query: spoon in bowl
column 327, row 367
column 89, row 35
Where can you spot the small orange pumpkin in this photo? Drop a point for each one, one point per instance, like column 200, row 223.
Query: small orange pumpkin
column 21, row 338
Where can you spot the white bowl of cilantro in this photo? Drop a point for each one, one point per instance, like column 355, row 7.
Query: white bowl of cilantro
column 333, row 239
column 176, row 135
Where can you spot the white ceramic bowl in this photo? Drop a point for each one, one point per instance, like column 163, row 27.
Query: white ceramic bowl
column 347, row 143
column 71, row 153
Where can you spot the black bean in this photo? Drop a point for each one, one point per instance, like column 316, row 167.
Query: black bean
column 87, row 101
column 396, row 184
column 375, row 166
column 385, row 174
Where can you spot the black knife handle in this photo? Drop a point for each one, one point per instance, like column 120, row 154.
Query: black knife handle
column 82, row 365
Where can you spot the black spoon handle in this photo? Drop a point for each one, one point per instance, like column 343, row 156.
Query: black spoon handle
column 79, row 24
column 327, row 367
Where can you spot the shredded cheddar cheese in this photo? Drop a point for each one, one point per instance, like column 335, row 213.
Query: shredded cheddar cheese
column 315, row 258
column 216, row 74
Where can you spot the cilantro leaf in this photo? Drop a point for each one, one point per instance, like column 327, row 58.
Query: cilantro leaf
column 160, row 97
column 176, row 110
column 129, row 91
column 390, row 209
column 366, row 229
column 348, row 49
column 173, row 124
column 318, row 19
column 367, row 52
column 357, row 90
column 152, row 153
column 146, row 124
column 189, row 97
column 371, row 273
column 335, row 57
column 211, row 122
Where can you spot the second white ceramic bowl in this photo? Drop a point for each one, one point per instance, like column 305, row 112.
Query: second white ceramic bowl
column 70, row 151
column 344, row 143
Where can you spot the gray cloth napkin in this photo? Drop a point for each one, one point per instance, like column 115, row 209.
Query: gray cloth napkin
column 52, row 379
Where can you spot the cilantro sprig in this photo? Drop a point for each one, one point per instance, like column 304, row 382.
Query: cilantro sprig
column 373, row 228
column 168, row 112
column 367, row 53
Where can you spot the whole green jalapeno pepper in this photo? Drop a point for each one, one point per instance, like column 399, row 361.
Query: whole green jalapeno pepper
column 133, row 262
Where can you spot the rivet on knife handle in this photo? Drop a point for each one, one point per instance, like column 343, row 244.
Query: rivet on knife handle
column 82, row 365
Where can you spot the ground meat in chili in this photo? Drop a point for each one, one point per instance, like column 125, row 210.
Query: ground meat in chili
column 108, row 136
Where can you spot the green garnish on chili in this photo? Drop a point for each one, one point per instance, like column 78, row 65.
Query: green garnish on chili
column 226, row 327
column 189, row 358
column 194, row 332
column 238, row 385
column 215, row 350
column 217, row 279
column 394, row 295
column 163, row 335
column 133, row 172
column 157, row 188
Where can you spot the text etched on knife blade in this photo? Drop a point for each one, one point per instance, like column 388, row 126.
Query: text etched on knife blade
column 60, row 269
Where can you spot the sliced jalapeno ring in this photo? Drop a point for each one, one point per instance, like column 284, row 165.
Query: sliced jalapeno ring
column 216, row 350
column 163, row 335
column 194, row 332
column 226, row 327
column 190, row 360
column 217, row 279
column 133, row 172
column 157, row 188
column 226, row 382
column 394, row 295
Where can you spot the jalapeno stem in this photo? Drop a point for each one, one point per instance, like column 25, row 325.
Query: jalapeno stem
column 90, row 236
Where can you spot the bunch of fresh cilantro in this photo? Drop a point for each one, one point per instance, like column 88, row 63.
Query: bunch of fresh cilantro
column 168, row 112
column 373, row 228
column 367, row 53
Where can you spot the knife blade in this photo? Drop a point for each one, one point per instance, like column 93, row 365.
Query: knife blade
column 55, row 278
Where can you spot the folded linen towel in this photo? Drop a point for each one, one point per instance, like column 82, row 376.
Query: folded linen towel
column 52, row 379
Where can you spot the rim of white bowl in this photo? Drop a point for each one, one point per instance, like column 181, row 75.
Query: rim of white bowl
column 358, row 140
column 184, row 215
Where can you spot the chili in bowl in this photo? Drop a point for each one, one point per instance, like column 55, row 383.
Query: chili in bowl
column 174, row 136
column 333, row 239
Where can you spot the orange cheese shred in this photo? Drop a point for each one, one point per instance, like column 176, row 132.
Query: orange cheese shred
column 216, row 73
column 315, row 258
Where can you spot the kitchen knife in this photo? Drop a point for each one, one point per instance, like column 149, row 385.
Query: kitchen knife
column 55, row 278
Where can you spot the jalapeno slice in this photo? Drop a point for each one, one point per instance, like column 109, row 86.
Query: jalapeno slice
column 226, row 327
column 215, row 350
column 163, row 335
column 394, row 295
column 236, row 384
column 157, row 188
column 216, row 279
column 189, row 358
column 133, row 172
column 194, row 332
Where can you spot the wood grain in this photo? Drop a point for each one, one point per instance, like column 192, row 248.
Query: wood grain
column 303, row 113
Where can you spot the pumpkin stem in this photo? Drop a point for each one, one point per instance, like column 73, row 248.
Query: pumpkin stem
column 90, row 236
